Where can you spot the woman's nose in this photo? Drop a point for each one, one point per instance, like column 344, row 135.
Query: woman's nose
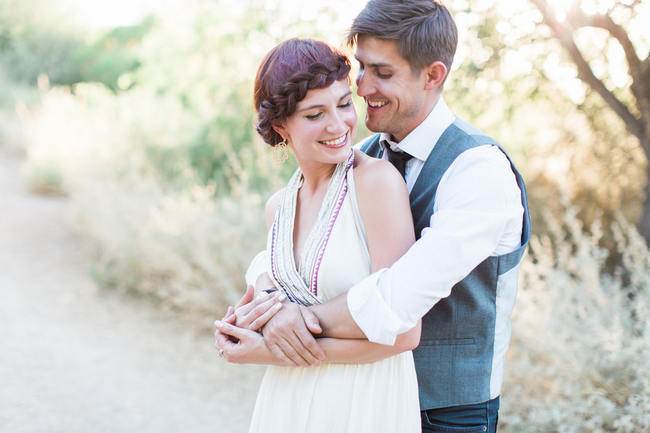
column 336, row 125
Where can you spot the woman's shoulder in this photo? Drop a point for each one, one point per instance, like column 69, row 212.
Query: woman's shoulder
column 272, row 205
column 372, row 173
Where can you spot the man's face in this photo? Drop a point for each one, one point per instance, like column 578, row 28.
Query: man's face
column 394, row 96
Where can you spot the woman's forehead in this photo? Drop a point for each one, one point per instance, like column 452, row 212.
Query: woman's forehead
column 332, row 93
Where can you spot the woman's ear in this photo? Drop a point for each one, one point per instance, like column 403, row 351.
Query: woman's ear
column 435, row 75
column 280, row 129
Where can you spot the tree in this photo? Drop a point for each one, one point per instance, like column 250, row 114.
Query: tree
column 635, row 113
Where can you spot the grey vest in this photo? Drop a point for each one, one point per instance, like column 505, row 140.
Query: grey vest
column 461, row 354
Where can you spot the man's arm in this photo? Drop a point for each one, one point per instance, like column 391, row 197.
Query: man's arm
column 335, row 319
column 478, row 213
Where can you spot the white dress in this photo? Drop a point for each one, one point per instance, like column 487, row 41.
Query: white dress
column 334, row 398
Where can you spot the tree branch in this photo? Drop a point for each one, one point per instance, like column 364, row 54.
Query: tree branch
column 564, row 35
column 577, row 19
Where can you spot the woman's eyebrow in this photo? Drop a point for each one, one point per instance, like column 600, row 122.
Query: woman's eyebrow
column 321, row 105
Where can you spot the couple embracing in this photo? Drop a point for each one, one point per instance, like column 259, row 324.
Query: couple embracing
column 382, row 302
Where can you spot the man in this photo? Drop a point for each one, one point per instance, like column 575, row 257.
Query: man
column 471, row 220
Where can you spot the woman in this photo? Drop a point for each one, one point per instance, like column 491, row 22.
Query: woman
column 342, row 216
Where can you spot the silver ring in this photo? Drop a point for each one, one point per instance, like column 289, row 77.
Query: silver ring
column 220, row 353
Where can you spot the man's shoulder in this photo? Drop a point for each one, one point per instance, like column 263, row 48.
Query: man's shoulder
column 366, row 142
column 472, row 133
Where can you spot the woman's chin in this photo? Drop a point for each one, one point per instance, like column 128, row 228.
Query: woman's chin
column 340, row 154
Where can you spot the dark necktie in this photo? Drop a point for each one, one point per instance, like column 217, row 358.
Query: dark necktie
column 398, row 159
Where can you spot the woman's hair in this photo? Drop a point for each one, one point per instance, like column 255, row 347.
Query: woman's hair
column 285, row 76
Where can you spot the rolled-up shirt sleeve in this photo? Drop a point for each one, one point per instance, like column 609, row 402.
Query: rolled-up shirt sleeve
column 366, row 303
column 478, row 213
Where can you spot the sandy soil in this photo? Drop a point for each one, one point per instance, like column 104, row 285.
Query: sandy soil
column 76, row 358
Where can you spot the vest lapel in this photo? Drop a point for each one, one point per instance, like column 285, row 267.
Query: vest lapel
column 371, row 146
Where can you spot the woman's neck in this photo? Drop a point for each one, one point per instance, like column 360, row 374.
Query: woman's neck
column 316, row 176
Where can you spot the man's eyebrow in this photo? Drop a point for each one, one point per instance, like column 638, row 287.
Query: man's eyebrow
column 379, row 65
column 321, row 105
column 375, row 65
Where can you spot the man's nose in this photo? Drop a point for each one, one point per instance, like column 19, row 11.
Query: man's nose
column 363, row 85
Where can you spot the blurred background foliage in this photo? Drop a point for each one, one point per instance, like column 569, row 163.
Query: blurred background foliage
column 147, row 124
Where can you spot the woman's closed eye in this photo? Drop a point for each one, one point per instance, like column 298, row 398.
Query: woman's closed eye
column 346, row 104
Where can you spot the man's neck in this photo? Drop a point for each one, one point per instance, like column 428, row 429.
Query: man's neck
column 427, row 108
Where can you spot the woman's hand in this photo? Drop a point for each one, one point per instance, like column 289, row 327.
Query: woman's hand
column 254, row 314
column 243, row 346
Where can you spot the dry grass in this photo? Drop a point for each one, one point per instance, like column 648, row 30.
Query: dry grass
column 182, row 247
column 581, row 339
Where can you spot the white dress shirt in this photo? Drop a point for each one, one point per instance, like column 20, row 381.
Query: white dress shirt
column 477, row 213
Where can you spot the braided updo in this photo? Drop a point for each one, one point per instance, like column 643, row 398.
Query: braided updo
column 285, row 76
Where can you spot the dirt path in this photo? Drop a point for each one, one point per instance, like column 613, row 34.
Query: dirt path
column 75, row 358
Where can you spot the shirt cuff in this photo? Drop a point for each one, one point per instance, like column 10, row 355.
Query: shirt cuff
column 370, row 311
column 256, row 268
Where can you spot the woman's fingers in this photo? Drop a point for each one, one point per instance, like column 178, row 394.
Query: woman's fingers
column 231, row 330
column 265, row 317
column 248, row 297
column 230, row 315
column 238, row 345
column 247, row 314
column 262, row 299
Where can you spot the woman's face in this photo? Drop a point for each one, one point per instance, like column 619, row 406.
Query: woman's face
column 323, row 126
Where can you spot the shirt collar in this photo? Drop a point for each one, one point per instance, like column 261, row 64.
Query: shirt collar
column 420, row 142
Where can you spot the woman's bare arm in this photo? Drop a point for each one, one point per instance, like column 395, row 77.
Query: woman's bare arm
column 385, row 210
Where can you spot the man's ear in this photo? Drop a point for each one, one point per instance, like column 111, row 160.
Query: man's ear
column 435, row 75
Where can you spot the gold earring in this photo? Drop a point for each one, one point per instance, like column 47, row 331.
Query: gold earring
column 281, row 151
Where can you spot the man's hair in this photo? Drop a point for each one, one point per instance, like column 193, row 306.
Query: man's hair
column 423, row 30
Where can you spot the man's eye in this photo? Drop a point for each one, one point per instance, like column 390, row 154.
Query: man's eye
column 384, row 76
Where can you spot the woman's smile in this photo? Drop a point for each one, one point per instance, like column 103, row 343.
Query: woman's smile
column 337, row 142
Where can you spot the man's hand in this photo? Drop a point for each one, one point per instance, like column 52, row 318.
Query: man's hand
column 288, row 335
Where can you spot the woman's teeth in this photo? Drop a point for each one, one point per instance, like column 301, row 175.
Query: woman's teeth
column 337, row 141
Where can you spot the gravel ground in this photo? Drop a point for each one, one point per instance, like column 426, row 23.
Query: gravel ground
column 76, row 358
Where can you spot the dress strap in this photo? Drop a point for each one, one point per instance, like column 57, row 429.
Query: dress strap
column 300, row 283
